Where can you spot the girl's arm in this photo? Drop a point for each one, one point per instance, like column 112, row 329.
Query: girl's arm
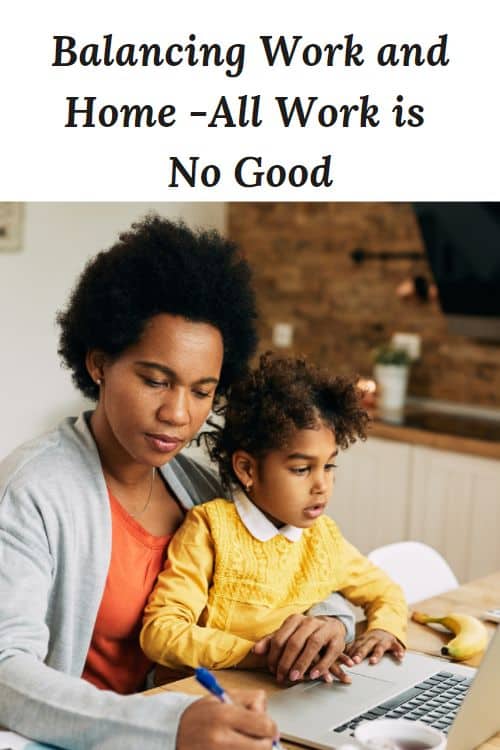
column 367, row 586
column 171, row 635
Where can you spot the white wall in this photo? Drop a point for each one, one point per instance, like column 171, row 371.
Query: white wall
column 35, row 392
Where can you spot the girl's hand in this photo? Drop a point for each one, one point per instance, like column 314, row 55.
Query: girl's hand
column 306, row 647
column 374, row 643
column 209, row 724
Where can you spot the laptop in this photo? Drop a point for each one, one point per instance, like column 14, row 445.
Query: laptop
column 460, row 701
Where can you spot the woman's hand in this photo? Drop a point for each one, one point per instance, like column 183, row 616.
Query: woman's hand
column 374, row 643
column 306, row 647
column 209, row 724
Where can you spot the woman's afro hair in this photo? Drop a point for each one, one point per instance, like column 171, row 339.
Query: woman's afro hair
column 280, row 396
column 159, row 266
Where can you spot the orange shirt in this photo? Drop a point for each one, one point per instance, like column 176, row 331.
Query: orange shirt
column 115, row 660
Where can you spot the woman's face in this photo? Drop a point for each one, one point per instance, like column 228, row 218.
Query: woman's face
column 156, row 395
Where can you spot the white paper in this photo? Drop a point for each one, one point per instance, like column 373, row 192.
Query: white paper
column 12, row 741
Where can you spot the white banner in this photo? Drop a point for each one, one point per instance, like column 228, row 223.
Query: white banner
column 316, row 101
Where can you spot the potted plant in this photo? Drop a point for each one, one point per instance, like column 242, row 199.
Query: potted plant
column 391, row 369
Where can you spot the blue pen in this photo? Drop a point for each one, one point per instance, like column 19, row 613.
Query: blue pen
column 209, row 682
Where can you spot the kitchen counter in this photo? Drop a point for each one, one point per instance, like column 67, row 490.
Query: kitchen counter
column 449, row 432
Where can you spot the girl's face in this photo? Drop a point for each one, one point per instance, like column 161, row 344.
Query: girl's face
column 293, row 485
column 156, row 395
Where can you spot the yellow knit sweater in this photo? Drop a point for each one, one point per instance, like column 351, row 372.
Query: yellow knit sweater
column 222, row 589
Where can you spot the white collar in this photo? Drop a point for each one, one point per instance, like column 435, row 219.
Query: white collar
column 260, row 527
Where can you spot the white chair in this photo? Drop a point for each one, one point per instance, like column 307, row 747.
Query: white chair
column 419, row 569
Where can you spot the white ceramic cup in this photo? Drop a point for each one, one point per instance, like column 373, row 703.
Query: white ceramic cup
column 396, row 734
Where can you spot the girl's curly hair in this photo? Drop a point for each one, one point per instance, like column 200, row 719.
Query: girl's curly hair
column 267, row 405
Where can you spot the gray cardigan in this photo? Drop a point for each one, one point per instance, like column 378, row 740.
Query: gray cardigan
column 55, row 544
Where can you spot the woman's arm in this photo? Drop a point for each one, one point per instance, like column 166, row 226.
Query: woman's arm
column 52, row 707
column 336, row 606
column 74, row 714
column 41, row 701
column 171, row 635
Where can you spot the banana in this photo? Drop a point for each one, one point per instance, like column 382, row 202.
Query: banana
column 471, row 636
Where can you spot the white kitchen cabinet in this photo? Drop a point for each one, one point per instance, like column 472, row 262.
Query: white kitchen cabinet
column 388, row 491
column 454, row 505
column 371, row 493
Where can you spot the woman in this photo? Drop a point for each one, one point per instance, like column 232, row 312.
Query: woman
column 155, row 331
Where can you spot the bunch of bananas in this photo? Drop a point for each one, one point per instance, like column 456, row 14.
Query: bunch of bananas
column 471, row 636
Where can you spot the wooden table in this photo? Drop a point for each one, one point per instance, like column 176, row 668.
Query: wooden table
column 471, row 598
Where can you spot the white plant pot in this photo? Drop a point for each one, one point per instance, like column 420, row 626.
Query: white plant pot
column 392, row 383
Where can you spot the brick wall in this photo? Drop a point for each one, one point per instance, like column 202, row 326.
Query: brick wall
column 304, row 275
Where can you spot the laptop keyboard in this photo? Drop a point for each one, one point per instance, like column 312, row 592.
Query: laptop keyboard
column 434, row 701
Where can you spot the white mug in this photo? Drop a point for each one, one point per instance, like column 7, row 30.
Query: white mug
column 396, row 734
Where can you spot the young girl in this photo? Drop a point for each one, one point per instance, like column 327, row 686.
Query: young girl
column 236, row 570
